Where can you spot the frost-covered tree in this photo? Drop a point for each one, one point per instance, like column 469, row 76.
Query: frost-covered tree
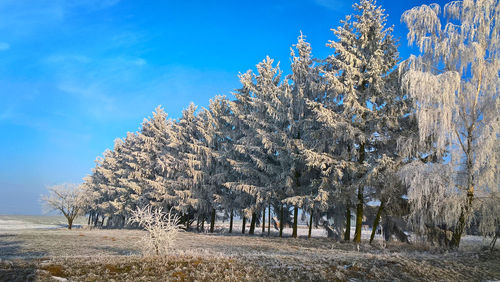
column 455, row 84
column 186, row 152
column 214, row 130
column 357, row 74
column 254, row 159
column 298, row 132
column 217, row 132
column 65, row 198
column 278, row 119
column 102, row 185
column 152, row 162
column 489, row 219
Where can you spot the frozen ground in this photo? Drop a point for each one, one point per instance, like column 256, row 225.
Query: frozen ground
column 19, row 222
column 102, row 255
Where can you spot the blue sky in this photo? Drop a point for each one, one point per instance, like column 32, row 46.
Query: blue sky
column 76, row 74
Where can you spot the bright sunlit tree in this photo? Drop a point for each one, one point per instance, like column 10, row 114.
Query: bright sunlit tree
column 455, row 83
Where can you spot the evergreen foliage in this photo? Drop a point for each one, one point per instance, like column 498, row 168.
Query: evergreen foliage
column 331, row 137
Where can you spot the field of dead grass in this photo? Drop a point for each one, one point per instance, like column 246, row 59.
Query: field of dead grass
column 104, row 255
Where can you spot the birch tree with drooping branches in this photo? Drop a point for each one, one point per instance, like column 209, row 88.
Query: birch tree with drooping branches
column 455, row 84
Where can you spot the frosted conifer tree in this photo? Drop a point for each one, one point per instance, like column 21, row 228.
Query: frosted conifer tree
column 211, row 179
column 254, row 163
column 184, row 170
column 455, row 83
column 296, row 132
column 217, row 170
column 356, row 74
column 110, row 184
column 153, row 162
column 102, row 183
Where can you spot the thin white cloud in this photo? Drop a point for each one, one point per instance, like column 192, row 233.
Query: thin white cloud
column 4, row 46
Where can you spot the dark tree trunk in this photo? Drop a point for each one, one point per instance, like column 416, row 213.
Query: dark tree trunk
column 202, row 224
column 310, row 224
column 243, row 225
column 188, row 222
column 493, row 241
column 263, row 220
column 90, row 214
column 282, row 218
column 212, row 221
column 70, row 223
column 464, row 214
column 359, row 216
column 347, row 233
column 377, row 220
column 460, row 227
column 198, row 224
column 231, row 222
column 269, row 221
column 295, row 217
column 252, row 224
column 359, row 206
column 96, row 219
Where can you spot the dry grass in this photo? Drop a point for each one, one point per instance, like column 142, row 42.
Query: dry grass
column 103, row 255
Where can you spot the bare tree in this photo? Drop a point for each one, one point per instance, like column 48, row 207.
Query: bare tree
column 65, row 198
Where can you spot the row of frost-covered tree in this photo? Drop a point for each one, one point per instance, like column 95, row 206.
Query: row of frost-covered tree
column 418, row 139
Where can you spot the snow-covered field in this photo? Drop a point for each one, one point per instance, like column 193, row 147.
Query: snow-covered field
column 100, row 255
column 20, row 222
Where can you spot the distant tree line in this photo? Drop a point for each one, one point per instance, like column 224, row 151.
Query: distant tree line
column 419, row 138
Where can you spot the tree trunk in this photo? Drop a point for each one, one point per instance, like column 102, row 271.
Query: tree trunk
column 377, row 220
column 359, row 206
column 347, row 233
column 198, row 224
column 493, row 241
column 269, row 221
column 310, row 224
column 243, row 226
column 231, row 222
column 90, row 214
column 252, row 224
column 263, row 220
column 282, row 219
column 295, row 217
column 96, row 219
column 70, row 223
column 462, row 220
column 202, row 224
column 464, row 214
column 359, row 216
column 212, row 221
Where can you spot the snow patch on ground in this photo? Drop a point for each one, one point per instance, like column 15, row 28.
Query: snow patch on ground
column 24, row 222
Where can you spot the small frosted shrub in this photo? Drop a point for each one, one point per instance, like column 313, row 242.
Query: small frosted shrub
column 162, row 229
